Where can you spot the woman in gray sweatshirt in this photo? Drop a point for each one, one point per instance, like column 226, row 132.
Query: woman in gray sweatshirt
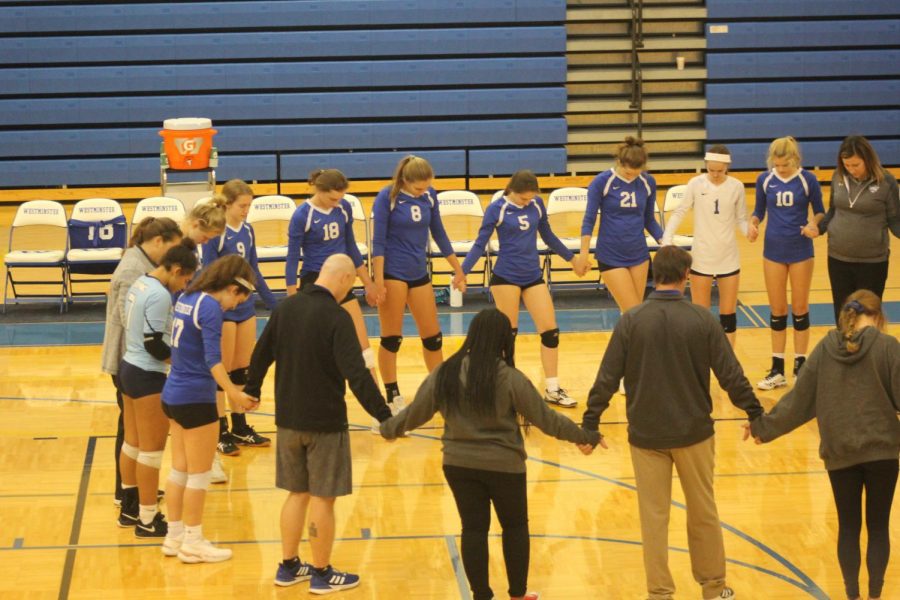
column 851, row 384
column 864, row 207
column 484, row 401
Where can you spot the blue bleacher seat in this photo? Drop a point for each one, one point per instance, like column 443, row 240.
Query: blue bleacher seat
column 806, row 124
column 791, row 94
column 737, row 9
column 370, row 165
column 810, row 34
column 508, row 161
column 815, row 154
column 805, row 64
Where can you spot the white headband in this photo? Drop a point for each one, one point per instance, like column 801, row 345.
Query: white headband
column 722, row 158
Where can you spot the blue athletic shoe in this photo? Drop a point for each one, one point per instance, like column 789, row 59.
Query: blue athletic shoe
column 287, row 575
column 332, row 581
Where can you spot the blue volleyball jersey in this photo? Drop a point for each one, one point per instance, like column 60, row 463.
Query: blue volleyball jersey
column 319, row 233
column 148, row 310
column 517, row 230
column 400, row 234
column 240, row 241
column 110, row 233
column 787, row 203
column 627, row 208
column 196, row 348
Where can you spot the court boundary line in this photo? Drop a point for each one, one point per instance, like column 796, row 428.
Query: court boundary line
column 77, row 517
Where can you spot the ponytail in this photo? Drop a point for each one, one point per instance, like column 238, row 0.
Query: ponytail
column 410, row 169
column 151, row 227
column 182, row 255
column 861, row 302
column 328, row 180
column 234, row 189
column 210, row 216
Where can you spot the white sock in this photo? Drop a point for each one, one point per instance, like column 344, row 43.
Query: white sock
column 147, row 513
column 193, row 534
column 128, row 487
column 778, row 354
column 176, row 529
column 552, row 384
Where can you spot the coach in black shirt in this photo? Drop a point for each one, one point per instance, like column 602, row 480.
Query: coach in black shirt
column 314, row 343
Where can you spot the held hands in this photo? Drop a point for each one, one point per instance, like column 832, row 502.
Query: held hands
column 581, row 264
column 291, row 290
column 374, row 295
column 241, row 402
column 752, row 232
column 747, row 433
column 587, row 449
column 810, row 230
column 459, row 281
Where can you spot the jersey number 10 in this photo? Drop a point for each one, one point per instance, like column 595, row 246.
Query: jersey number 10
column 784, row 198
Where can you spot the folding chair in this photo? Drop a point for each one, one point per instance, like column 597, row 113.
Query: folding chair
column 674, row 197
column 34, row 215
column 461, row 211
column 276, row 211
column 97, row 239
column 360, row 223
column 157, row 206
column 565, row 210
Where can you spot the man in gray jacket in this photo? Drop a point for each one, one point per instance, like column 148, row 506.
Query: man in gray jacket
column 665, row 349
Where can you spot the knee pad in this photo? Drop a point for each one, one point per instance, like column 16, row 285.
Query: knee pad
column 515, row 331
column 369, row 358
column 434, row 343
column 151, row 459
column 391, row 343
column 550, row 338
column 729, row 322
column 238, row 376
column 801, row 322
column 130, row 451
column 219, row 388
column 198, row 481
column 778, row 323
column 178, row 477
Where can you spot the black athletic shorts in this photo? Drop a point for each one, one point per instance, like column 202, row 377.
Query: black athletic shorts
column 309, row 278
column 717, row 275
column 410, row 284
column 135, row 382
column 497, row 280
column 190, row 416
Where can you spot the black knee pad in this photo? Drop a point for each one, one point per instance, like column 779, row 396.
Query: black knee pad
column 729, row 322
column 391, row 343
column 238, row 376
column 801, row 322
column 219, row 388
column 550, row 338
column 778, row 323
column 515, row 332
column 434, row 343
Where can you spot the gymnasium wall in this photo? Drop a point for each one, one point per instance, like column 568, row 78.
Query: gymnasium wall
column 475, row 86
column 815, row 69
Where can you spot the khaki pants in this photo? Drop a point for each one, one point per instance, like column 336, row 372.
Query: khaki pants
column 653, row 474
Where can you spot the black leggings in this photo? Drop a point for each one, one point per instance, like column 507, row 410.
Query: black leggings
column 120, row 436
column 474, row 491
column 847, row 277
column 879, row 478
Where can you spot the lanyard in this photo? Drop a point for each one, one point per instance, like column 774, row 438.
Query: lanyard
column 858, row 194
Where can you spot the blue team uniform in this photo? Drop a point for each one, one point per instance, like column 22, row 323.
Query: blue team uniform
column 627, row 208
column 787, row 203
column 517, row 229
column 319, row 234
column 240, row 242
column 196, row 348
column 148, row 310
column 401, row 235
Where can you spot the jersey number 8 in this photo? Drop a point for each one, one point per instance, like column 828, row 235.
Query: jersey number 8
column 416, row 213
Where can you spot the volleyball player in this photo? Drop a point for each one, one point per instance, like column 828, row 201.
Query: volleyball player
column 787, row 192
column 719, row 207
column 239, row 330
column 518, row 217
column 404, row 214
column 321, row 227
column 189, row 400
column 142, row 374
column 150, row 240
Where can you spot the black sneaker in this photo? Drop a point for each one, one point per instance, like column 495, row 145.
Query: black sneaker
column 249, row 437
column 157, row 528
column 228, row 444
column 130, row 508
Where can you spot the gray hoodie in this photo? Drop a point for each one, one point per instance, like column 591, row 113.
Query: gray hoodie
column 855, row 397
column 492, row 443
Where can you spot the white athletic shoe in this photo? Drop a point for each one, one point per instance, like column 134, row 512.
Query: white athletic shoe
column 561, row 398
column 771, row 381
column 217, row 473
column 202, row 551
column 396, row 405
column 171, row 545
column 727, row 593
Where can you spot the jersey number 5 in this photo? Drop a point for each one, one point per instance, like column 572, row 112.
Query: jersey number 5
column 523, row 222
column 332, row 231
column 629, row 200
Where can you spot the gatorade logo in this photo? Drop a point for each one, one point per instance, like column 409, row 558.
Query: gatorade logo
column 189, row 146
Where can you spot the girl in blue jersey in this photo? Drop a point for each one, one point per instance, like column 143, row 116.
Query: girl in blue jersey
column 404, row 214
column 239, row 331
column 142, row 374
column 625, row 197
column 787, row 192
column 189, row 400
column 518, row 217
column 323, row 226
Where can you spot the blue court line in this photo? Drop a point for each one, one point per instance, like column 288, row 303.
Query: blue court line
column 456, row 561
column 75, row 534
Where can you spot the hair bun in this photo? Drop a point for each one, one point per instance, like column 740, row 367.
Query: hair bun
column 633, row 141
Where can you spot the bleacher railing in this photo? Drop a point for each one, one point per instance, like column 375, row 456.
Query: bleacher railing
column 637, row 74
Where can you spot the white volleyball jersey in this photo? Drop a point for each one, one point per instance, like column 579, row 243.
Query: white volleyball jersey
column 718, row 210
